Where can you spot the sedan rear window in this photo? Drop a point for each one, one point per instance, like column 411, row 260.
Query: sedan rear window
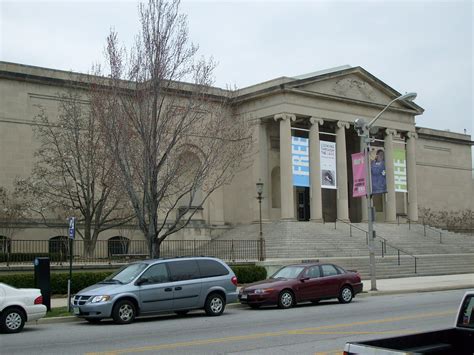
column 288, row 272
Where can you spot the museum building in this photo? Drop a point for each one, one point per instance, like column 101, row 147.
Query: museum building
column 304, row 141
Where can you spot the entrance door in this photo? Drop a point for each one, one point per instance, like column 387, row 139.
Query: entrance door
column 302, row 195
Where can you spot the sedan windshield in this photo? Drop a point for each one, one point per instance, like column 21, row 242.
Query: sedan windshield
column 126, row 274
column 288, row 272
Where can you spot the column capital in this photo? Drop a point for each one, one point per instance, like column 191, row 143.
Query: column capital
column 412, row 135
column 284, row 116
column 343, row 124
column 390, row 132
column 316, row 121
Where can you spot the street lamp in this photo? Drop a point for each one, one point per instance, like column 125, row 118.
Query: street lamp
column 260, row 198
column 363, row 130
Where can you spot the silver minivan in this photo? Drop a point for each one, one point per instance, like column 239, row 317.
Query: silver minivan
column 160, row 285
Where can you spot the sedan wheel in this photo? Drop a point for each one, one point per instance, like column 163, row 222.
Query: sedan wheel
column 12, row 321
column 285, row 300
column 124, row 312
column 346, row 295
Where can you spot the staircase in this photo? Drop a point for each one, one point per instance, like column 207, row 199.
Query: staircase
column 346, row 245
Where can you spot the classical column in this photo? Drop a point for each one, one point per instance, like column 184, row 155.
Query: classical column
column 263, row 168
column 363, row 200
column 411, row 176
column 286, row 178
column 390, row 202
column 315, row 170
column 341, row 164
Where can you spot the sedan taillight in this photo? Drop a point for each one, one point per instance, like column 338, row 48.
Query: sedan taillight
column 234, row 280
column 39, row 300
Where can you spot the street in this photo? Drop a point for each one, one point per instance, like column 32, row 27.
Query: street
column 305, row 329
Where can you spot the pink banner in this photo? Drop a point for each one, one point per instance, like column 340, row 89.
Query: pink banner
column 358, row 172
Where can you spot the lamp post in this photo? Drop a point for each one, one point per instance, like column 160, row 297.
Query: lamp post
column 260, row 198
column 363, row 130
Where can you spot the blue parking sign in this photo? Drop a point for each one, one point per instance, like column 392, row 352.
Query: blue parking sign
column 72, row 227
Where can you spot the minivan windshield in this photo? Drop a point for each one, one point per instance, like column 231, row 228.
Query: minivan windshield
column 126, row 274
column 288, row 272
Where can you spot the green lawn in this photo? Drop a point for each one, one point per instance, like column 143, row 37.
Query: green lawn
column 58, row 312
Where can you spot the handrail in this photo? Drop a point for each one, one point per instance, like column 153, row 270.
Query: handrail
column 383, row 241
column 425, row 226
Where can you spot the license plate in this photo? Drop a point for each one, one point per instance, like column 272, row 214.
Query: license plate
column 243, row 297
column 76, row 310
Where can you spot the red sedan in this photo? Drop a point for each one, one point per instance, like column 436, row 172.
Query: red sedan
column 293, row 284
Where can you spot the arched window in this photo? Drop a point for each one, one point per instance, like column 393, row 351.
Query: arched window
column 58, row 247
column 118, row 245
column 5, row 245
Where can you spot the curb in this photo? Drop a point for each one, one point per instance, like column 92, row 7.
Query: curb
column 420, row 290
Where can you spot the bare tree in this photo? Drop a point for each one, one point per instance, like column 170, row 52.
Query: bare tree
column 73, row 176
column 174, row 142
column 12, row 212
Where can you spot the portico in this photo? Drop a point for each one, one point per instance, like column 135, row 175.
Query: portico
column 323, row 108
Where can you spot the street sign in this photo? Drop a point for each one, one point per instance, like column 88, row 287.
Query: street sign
column 72, row 227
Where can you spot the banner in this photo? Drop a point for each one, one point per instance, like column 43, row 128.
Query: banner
column 358, row 174
column 400, row 169
column 300, row 161
column 328, row 165
column 377, row 168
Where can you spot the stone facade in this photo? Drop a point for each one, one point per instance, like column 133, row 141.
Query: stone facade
column 320, row 106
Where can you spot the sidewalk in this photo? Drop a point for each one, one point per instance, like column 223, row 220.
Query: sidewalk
column 390, row 286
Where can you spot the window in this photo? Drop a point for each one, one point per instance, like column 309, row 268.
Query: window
column 118, row 245
column 340, row 269
column 329, row 270
column 58, row 245
column 210, row 268
column 157, row 273
column 5, row 244
column 313, row 272
column 183, row 270
column 288, row 272
column 466, row 315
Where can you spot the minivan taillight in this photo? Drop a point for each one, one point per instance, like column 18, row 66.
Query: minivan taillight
column 39, row 300
column 234, row 280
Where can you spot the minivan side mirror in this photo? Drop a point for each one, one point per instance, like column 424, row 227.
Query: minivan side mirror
column 141, row 281
column 303, row 279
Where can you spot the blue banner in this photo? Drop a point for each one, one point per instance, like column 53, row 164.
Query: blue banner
column 300, row 161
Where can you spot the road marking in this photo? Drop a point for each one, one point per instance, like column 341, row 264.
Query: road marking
column 315, row 330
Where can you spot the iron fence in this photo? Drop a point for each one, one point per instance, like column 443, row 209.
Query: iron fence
column 122, row 250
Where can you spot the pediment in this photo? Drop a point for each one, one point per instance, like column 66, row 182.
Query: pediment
column 351, row 86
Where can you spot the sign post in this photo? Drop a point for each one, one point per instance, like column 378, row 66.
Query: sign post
column 71, row 235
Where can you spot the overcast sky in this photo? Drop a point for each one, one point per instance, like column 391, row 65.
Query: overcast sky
column 421, row 46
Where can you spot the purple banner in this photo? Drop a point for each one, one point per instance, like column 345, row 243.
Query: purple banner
column 358, row 173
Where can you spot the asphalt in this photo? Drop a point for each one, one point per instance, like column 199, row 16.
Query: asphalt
column 383, row 287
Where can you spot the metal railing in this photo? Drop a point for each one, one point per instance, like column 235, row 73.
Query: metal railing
column 384, row 243
column 108, row 252
column 426, row 227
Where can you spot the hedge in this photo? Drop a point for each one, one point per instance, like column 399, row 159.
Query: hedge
column 249, row 273
column 245, row 274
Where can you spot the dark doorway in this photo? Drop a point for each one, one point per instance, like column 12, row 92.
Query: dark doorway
column 302, row 196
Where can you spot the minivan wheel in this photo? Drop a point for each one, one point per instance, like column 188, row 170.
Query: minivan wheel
column 12, row 320
column 285, row 299
column 345, row 295
column 124, row 312
column 214, row 305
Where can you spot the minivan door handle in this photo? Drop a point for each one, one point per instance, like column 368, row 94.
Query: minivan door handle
column 178, row 288
column 168, row 289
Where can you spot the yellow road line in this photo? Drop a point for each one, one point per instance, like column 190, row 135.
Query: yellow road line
column 320, row 330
